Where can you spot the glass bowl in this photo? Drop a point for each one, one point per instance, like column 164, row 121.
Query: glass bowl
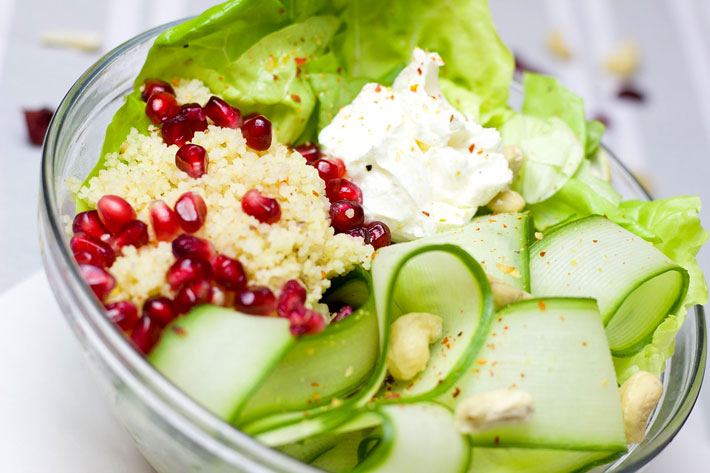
column 173, row 432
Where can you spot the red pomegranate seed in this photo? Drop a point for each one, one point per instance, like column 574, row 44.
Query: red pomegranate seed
column 134, row 233
column 185, row 270
column 188, row 246
column 101, row 252
column 191, row 211
column 161, row 106
column 37, row 122
column 100, row 281
column 114, row 212
column 192, row 159
column 177, row 130
column 152, row 86
column 359, row 232
column 310, row 151
column 123, row 313
column 195, row 115
column 292, row 298
column 160, row 310
column 346, row 215
column 164, row 220
column 344, row 312
column 229, row 272
column 191, row 295
column 307, row 322
column 222, row 114
column 342, row 189
column 89, row 223
column 146, row 334
column 255, row 300
column 329, row 168
column 257, row 132
column 262, row 208
column 379, row 234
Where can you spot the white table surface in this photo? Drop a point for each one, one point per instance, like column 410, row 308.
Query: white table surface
column 52, row 419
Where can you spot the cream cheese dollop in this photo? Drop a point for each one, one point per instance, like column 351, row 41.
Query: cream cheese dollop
column 422, row 165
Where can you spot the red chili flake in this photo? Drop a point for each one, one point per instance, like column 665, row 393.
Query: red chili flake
column 541, row 305
column 445, row 340
column 631, row 93
column 522, row 375
column 481, row 361
column 513, row 386
column 496, row 440
column 296, row 98
column 471, row 148
column 300, row 61
column 378, row 88
column 392, row 395
column 543, row 253
column 505, row 327
column 419, row 70
column 595, row 241
column 584, row 344
column 456, row 392
column 426, row 214
column 37, row 122
column 179, row 331
column 315, row 385
column 414, row 87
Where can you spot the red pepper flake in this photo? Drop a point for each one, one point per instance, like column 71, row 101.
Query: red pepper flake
column 584, row 344
column 595, row 241
column 522, row 375
column 505, row 327
column 275, row 77
column 456, row 392
column 296, row 98
column 378, row 88
column 414, row 87
column 37, row 122
column 562, row 318
column 419, row 70
column 426, row 214
column 481, row 361
column 543, row 253
column 445, row 341
column 179, row 331
column 315, row 193
column 631, row 93
column 541, row 305
column 513, row 386
column 471, row 148
column 496, row 440
column 315, row 385
column 300, row 61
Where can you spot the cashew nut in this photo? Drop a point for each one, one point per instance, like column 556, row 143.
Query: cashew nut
column 507, row 201
column 410, row 337
column 514, row 155
column 639, row 396
column 486, row 410
column 505, row 294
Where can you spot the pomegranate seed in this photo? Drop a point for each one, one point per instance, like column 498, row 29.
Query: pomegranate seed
column 192, row 294
column 192, row 159
column 134, row 233
column 344, row 312
column 164, row 220
column 346, row 215
column 185, row 270
column 160, row 310
column 342, row 189
column 329, row 168
column 255, row 300
column 37, row 122
column 161, row 106
column 229, row 272
column 89, row 223
column 257, row 132
column 114, row 212
column 310, row 151
column 146, row 334
column 359, row 232
column 100, row 281
column 195, row 115
column 123, row 313
column 307, row 322
column 292, row 298
column 188, row 246
column 100, row 253
column 379, row 234
column 177, row 130
column 264, row 209
column 191, row 211
column 223, row 114
column 152, row 86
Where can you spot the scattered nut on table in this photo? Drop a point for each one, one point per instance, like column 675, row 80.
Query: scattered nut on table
column 639, row 396
column 624, row 61
column 483, row 411
column 558, row 46
column 410, row 337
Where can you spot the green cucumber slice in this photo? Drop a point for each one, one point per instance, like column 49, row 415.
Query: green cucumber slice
column 322, row 367
column 218, row 356
column 635, row 285
column 556, row 350
column 535, row 460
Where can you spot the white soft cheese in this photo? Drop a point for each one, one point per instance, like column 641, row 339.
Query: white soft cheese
column 422, row 165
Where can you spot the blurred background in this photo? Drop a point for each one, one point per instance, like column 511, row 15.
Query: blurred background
column 642, row 67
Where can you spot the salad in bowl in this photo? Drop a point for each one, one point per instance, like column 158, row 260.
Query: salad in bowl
column 323, row 222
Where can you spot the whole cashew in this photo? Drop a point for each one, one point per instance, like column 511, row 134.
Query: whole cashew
column 639, row 396
column 482, row 411
column 410, row 337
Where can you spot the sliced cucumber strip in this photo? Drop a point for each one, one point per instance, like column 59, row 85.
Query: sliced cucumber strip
column 635, row 285
column 535, row 460
column 321, row 367
column 556, row 350
column 219, row 356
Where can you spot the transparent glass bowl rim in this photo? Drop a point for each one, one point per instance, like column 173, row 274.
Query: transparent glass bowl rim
column 167, row 400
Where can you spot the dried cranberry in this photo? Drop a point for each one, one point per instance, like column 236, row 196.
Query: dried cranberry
column 164, row 220
column 229, row 272
column 160, row 310
column 192, row 211
column 185, row 270
column 379, row 234
column 152, row 86
column 255, row 300
column 146, row 334
column 100, row 253
column 346, row 215
column 123, row 313
column 98, row 279
column 192, row 294
column 257, row 132
column 310, row 151
column 37, row 122
column 262, row 208
column 134, row 233
column 114, row 212
column 329, row 168
column 342, row 189
column 189, row 246
column 177, row 130
column 161, row 106
column 222, row 114
column 195, row 116
column 292, row 298
column 192, row 159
